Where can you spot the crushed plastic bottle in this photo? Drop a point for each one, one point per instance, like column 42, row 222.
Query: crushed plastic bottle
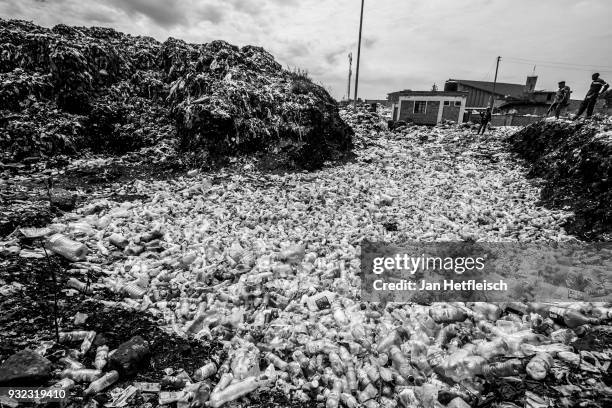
column 234, row 391
column 539, row 366
column 66, row 247
column 102, row 383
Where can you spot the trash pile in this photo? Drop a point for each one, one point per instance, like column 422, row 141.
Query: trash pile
column 574, row 159
column 267, row 266
column 66, row 89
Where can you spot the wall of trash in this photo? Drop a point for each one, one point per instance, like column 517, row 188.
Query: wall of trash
column 66, row 89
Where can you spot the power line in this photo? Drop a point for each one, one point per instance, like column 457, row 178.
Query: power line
column 559, row 67
column 562, row 64
column 486, row 76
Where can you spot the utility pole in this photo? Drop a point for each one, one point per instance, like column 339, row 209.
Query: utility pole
column 348, row 93
column 495, row 83
column 358, row 56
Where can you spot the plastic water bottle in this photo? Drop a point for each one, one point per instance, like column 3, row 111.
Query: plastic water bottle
column 101, row 384
column 82, row 375
column 234, row 391
column 101, row 357
column 64, row 246
column 539, row 366
column 333, row 399
column 205, row 372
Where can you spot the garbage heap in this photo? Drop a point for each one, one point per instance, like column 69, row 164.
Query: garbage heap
column 575, row 160
column 68, row 88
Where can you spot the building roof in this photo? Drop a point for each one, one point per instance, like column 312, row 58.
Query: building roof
column 519, row 102
column 501, row 88
column 407, row 92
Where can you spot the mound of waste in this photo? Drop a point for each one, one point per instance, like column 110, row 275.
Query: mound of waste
column 71, row 88
column 575, row 159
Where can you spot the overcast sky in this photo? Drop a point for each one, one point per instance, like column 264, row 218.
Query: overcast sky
column 407, row 44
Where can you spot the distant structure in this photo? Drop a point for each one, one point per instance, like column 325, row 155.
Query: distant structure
column 428, row 107
column 522, row 99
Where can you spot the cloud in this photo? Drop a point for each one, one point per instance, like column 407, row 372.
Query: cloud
column 297, row 50
column 246, row 6
column 166, row 13
column 212, row 13
column 407, row 44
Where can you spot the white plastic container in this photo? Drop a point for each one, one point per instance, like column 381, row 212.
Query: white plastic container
column 69, row 249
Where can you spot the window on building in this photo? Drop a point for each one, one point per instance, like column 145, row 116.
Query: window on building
column 420, row 106
column 457, row 103
column 446, row 103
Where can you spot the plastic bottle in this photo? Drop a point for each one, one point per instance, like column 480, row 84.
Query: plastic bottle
column 435, row 358
column 64, row 384
column 118, row 240
column 402, row 364
column 276, row 361
column 234, row 391
column 333, row 399
column 87, row 342
column 503, row 369
column 368, row 393
column 446, row 334
column 516, row 307
column 602, row 313
column 101, row 384
column 64, row 246
column 101, row 357
column 205, row 372
column 351, row 377
column 81, row 375
column 336, row 363
column 539, row 366
column 571, row 318
column 460, row 366
column 224, row 381
column 395, row 337
column 373, row 373
column 348, row 400
column 447, row 314
column 78, row 335
column 71, row 364
column 293, row 254
column 320, row 301
column 300, row 357
column 490, row 349
column 133, row 290
column 338, row 313
column 78, row 285
column 200, row 396
column 386, row 374
column 569, row 357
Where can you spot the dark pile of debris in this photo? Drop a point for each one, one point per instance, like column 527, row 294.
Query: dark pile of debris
column 575, row 159
column 66, row 89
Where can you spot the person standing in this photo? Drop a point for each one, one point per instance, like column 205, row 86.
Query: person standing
column 598, row 87
column 562, row 98
column 485, row 118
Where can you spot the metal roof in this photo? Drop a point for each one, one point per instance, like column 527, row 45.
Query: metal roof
column 501, row 88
